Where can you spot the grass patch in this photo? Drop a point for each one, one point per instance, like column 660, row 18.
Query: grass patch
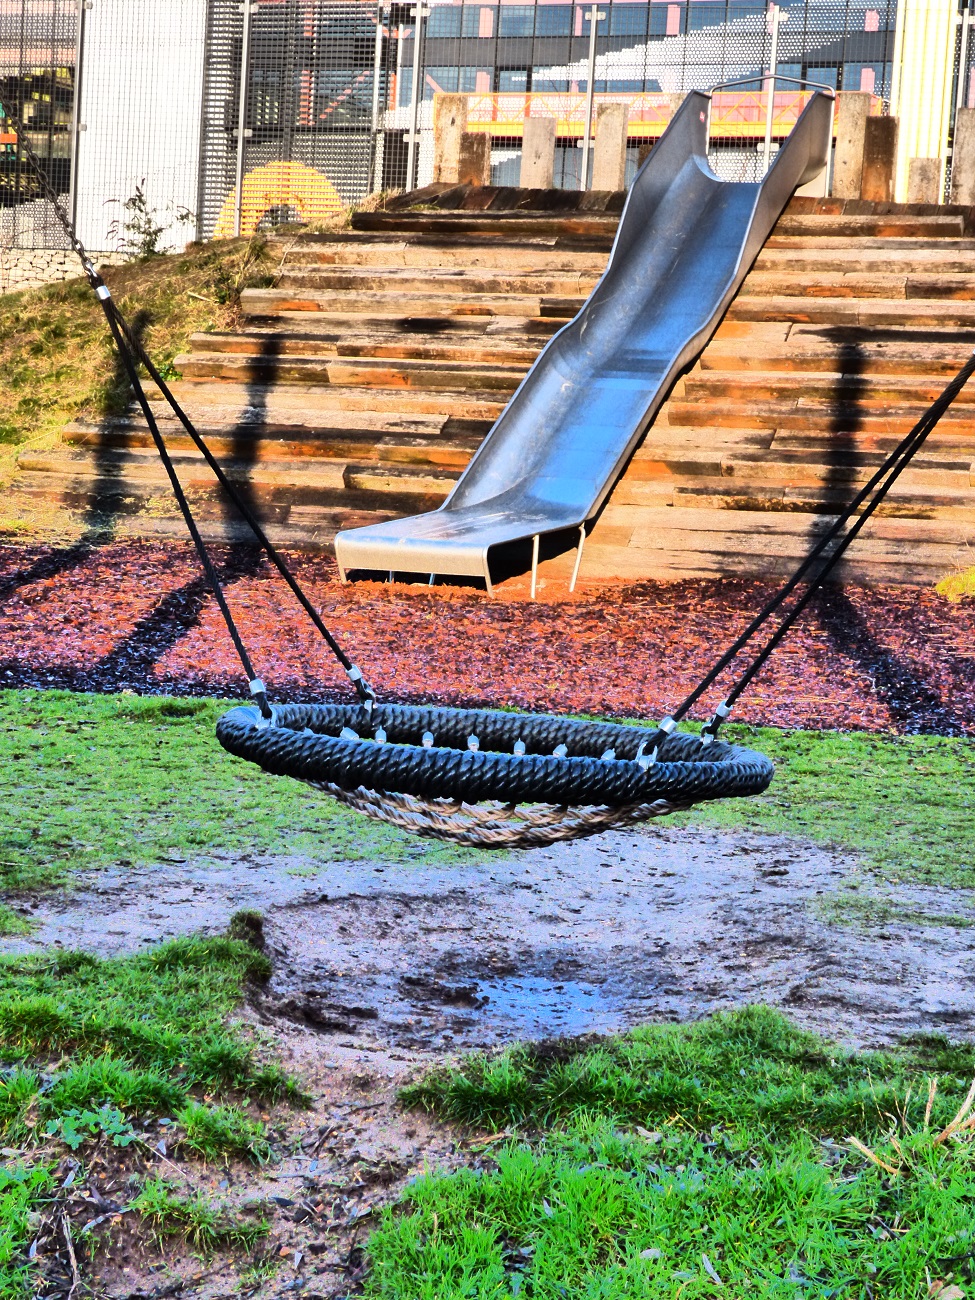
column 11, row 923
column 198, row 1220
column 695, row 1160
column 957, row 586
column 94, row 780
column 906, row 804
column 57, row 355
column 854, row 908
column 98, row 1049
column 89, row 781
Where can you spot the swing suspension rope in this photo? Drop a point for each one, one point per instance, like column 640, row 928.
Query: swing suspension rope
column 488, row 777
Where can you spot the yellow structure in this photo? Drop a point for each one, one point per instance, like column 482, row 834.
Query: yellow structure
column 924, row 53
column 279, row 185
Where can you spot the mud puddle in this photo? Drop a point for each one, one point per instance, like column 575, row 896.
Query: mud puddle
column 593, row 936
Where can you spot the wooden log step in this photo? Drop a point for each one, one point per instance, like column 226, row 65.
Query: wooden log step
column 513, row 327
column 867, row 259
column 349, row 372
column 827, row 244
column 70, row 480
column 868, row 313
column 873, row 226
column 260, row 443
column 502, row 257
column 459, row 348
column 822, row 416
column 230, row 403
column 435, row 283
column 843, row 389
column 512, row 225
column 819, row 352
column 677, row 559
column 915, row 502
column 410, row 306
column 939, row 442
column 851, row 284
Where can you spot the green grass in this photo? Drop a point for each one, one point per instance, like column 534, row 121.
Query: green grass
column 95, row 1048
column 130, row 1053
column 906, row 804
column 870, row 909
column 89, row 781
column 93, row 780
column 692, row 1161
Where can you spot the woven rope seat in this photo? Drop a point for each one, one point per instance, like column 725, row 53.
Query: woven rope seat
column 488, row 777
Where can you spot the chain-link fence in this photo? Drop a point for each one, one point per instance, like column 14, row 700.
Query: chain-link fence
column 37, row 82
column 177, row 118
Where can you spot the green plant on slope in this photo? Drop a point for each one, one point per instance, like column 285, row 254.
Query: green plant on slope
column 138, row 230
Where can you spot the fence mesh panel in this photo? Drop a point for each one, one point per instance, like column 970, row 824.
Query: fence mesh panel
column 252, row 115
column 37, row 81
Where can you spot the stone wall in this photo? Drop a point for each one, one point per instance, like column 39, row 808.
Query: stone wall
column 27, row 268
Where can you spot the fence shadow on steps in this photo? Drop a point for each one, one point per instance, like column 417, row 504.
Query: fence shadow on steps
column 914, row 703
column 142, row 649
column 98, row 522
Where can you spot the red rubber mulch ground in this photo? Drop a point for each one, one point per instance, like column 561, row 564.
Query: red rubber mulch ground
column 138, row 617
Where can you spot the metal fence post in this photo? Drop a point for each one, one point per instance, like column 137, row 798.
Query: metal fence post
column 375, row 161
column 76, row 124
column 774, row 18
column 413, row 139
column 594, row 18
column 961, row 93
column 247, row 8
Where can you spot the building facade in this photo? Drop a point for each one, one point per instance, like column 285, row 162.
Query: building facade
column 223, row 116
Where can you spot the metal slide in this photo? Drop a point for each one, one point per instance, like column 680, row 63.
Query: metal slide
column 685, row 242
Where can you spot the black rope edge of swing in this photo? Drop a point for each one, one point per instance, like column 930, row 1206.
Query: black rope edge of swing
column 303, row 741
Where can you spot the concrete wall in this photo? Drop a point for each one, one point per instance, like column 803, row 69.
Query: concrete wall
column 141, row 102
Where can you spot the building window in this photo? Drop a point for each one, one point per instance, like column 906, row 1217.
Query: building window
column 444, row 21
column 513, row 79
column 516, row 20
column 628, row 20
column 553, row 20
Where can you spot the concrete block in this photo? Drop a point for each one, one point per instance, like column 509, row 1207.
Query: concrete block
column 474, row 159
column 609, row 150
column 963, row 158
column 449, row 124
column 879, row 159
column 538, row 154
column 852, row 112
column 924, row 180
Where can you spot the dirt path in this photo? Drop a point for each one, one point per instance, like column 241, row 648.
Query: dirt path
column 659, row 923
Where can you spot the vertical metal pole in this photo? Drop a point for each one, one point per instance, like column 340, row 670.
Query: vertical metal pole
column 962, row 91
column 248, row 8
column 375, row 181
column 79, row 60
column 418, row 14
column 773, row 13
column 594, row 17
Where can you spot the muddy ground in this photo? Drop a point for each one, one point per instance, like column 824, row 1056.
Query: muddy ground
column 380, row 971
column 590, row 936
